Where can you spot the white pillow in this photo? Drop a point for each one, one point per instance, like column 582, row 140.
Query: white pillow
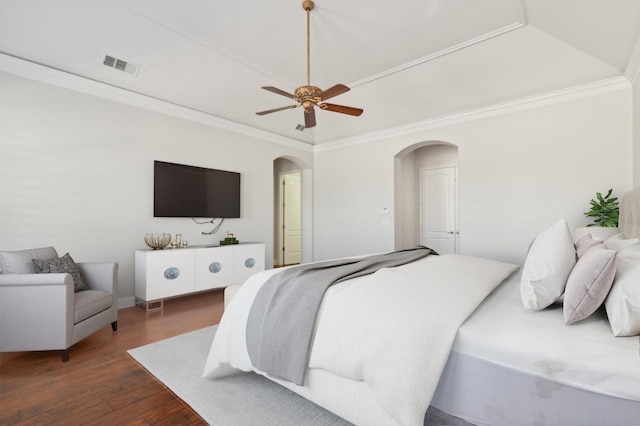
column 547, row 267
column 623, row 302
column 618, row 242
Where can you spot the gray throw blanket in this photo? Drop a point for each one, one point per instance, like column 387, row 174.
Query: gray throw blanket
column 282, row 317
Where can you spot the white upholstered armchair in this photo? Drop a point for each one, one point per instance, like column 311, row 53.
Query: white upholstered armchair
column 41, row 311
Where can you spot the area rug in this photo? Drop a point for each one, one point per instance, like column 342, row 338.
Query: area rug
column 240, row 399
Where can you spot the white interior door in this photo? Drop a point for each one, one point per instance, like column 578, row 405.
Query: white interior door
column 290, row 217
column 438, row 209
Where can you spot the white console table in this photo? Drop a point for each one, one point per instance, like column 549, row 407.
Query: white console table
column 162, row 274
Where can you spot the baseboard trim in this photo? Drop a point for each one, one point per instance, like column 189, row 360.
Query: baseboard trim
column 126, row 302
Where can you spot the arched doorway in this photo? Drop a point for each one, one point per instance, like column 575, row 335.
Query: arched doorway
column 426, row 200
column 292, row 210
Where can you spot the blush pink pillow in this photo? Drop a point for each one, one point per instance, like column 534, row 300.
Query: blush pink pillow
column 585, row 243
column 589, row 283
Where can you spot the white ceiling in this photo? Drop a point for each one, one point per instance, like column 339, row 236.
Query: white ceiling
column 406, row 62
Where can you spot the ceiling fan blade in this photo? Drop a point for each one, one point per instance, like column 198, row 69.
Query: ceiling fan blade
column 278, row 91
column 342, row 109
column 336, row 90
column 309, row 118
column 269, row 111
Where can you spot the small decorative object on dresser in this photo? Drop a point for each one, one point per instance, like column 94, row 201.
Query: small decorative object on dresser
column 230, row 239
column 157, row 241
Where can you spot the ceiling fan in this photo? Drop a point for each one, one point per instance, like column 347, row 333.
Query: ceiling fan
column 309, row 96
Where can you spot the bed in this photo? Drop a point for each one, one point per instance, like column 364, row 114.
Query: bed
column 509, row 366
column 385, row 349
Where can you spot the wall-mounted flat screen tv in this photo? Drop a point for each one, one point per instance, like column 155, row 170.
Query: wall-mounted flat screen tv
column 189, row 191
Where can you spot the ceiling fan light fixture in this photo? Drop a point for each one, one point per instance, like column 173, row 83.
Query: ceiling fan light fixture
column 309, row 96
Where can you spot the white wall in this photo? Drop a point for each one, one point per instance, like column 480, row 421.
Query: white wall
column 76, row 172
column 520, row 170
column 406, row 227
column 636, row 133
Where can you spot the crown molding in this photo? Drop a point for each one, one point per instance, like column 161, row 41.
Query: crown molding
column 33, row 71
column 440, row 53
column 530, row 102
column 632, row 70
column 41, row 73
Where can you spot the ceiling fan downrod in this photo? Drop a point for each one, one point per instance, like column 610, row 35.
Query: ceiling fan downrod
column 308, row 5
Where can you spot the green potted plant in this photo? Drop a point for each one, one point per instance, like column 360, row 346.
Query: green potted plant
column 604, row 210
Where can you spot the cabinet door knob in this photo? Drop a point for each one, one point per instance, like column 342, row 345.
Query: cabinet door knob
column 215, row 267
column 172, row 273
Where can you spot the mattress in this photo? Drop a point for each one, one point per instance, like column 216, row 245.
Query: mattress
column 511, row 367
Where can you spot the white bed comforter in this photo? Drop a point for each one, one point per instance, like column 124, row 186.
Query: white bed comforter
column 391, row 330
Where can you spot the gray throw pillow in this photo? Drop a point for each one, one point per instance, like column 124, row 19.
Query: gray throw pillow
column 61, row 265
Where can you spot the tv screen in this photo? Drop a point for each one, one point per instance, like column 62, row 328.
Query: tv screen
column 189, row 191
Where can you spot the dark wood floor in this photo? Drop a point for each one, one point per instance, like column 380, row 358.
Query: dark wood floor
column 101, row 384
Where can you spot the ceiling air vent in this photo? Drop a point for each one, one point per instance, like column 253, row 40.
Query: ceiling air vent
column 121, row 65
column 300, row 127
column 109, row 61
